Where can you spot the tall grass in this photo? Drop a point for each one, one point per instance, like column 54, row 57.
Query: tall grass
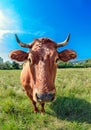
column 70, row 111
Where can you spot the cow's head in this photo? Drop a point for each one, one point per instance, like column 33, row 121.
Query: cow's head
column 42, row 58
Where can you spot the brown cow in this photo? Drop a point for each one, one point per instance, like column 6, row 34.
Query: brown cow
column 39, row 69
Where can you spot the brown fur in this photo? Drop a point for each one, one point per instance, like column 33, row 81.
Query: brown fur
column 39, row 71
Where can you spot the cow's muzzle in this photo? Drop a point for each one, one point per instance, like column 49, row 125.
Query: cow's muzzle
column 47, row 97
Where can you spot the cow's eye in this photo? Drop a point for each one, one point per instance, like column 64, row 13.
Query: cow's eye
column 30, row 59
column 57, row 59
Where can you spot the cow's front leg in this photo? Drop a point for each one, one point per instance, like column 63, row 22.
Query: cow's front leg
column 42, row 107
column 29, row 94
column 33, row 102
column 35, row 107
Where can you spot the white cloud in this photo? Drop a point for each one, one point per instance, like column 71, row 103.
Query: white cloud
column 9, row 23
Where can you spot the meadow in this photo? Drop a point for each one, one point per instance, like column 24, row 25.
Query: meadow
column 70, row 111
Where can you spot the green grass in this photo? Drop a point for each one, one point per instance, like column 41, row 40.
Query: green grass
column 70, row 111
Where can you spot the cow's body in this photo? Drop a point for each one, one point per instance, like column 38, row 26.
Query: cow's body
column 39, row 70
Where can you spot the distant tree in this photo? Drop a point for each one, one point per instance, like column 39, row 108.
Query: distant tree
column 7, row 65
column 65, row 65
column 1, row 66
column 15, row 65
column 1, row 60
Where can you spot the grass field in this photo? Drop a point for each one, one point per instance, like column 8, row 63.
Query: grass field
column 70, row 111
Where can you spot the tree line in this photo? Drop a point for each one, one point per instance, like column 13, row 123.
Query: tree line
column 14, row 65
column 8, row 65
column 78, row 64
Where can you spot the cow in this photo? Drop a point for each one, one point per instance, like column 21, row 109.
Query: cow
column 39, row 69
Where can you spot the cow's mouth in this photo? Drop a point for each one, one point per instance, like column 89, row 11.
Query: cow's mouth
column 46, row 97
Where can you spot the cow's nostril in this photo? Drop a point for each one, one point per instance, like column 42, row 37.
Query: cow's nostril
column 47, row 97
column 38, row 96
column 53, row 98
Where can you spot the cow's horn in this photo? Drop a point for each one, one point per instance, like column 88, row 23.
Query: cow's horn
column 61, row 44
column 21, row 43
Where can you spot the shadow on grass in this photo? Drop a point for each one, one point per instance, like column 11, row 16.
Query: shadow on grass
column 72, row 109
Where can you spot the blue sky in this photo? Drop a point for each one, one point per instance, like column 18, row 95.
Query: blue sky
column 46, row 18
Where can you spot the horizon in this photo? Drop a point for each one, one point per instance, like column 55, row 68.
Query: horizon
column 54, row 19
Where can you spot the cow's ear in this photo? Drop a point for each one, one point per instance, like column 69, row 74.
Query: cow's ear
column 67, row 55
column 18, row 55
